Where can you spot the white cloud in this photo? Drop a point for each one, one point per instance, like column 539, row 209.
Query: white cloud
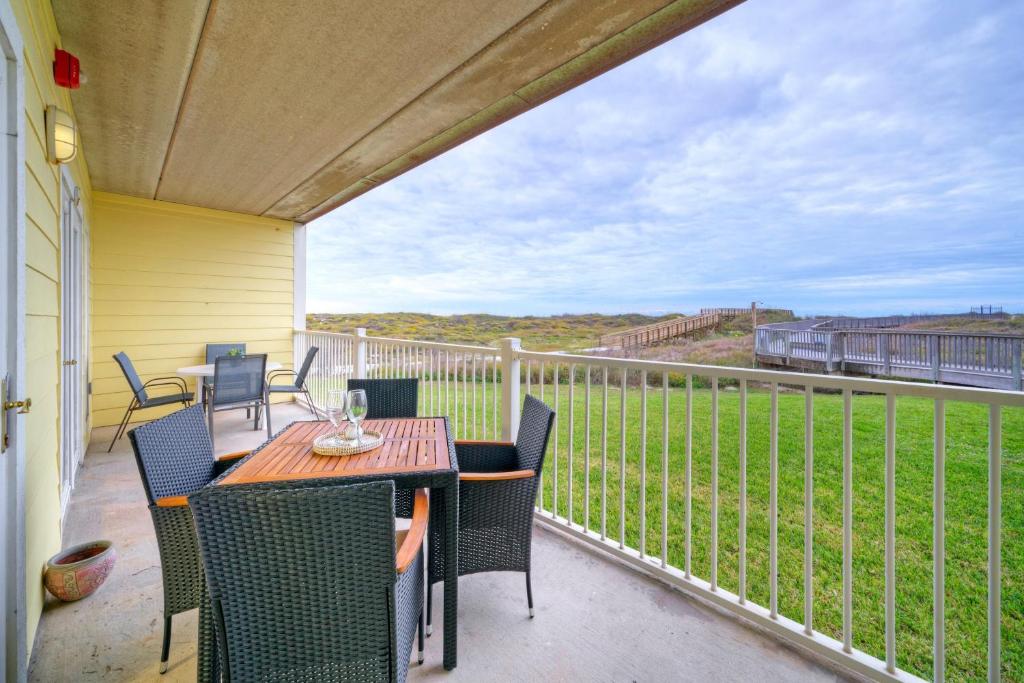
column 826, row 157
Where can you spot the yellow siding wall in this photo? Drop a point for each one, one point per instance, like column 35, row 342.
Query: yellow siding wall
column 167, row 279
column 42, row 283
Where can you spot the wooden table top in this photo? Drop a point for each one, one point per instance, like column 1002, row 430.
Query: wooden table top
column 410, row 445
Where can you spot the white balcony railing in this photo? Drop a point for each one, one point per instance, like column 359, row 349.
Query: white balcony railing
column 795, row 501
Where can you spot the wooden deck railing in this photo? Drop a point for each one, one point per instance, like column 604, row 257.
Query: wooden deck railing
column 982, row 360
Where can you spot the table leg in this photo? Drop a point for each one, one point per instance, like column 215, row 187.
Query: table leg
column 451, row 573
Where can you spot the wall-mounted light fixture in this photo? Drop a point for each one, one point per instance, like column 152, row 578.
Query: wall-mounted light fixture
column 61, row 136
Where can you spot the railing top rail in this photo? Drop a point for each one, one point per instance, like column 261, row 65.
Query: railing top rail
column 798, row 379
column 876, row 330
column 932, row 333
column 441, row 346
column 345, row 335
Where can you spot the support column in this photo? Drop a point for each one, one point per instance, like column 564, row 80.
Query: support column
column 510, row 347
column 360, row 353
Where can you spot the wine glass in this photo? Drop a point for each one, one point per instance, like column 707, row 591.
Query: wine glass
column 357, row 407
column 337, row 409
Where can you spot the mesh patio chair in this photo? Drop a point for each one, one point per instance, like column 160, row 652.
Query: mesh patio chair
column 497, row 493
column 391, row 398
column 175, row 458
column 215, row 351
column 306, row 583
column 140, row 396
column 296, row 386
column 238, row 382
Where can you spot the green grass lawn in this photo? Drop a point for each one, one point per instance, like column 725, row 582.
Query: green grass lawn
column 966, row 505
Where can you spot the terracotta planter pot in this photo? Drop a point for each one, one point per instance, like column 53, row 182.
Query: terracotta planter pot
column 78, row 571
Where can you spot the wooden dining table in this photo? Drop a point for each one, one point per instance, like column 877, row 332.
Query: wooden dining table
column 416, row 453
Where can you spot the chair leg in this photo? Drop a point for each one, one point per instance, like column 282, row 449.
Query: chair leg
column 121, row 427
column 529, row 594
column 309, row 402
column 166, row 651
column 209, row 419
column 267, row 417
column 430, row 602
column 419, row 657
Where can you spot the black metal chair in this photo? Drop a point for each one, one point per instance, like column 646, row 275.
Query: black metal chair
column 297, row 385
column 391, row 398
column 239, row 382
column 305, row 583
column 215, row 351
column 175, row 458
column 497, row 493
column 140, row 396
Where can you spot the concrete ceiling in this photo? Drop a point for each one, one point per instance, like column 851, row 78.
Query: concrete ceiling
column 290, row 109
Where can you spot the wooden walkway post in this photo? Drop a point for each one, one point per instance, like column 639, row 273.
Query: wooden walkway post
column 1018, row 385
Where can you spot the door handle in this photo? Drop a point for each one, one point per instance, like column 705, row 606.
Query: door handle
column 9, row 405
column 25, row 405
column 71, row 362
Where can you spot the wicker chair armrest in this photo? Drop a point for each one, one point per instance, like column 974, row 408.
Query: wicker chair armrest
column 274, row 374
column 172, row 502
column 496, row 476
column 232, row 456
column 486, row 456
column 225, row 462
column 414, row 538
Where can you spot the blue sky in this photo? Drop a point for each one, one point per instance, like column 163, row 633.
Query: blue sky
column 857, row 158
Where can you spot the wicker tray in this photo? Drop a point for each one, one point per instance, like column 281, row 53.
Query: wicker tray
column 325, row 445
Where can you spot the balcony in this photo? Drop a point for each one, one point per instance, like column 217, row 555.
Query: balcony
column 595, row 618
column 701, row 522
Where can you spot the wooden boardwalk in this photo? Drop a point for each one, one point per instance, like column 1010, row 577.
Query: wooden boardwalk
column 686, row 326
column 980, row 360
column 654, row 333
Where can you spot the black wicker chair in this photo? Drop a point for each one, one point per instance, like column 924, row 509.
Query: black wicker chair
column 388, row 397
column 141, row 398
column 391, row 398
column 238, row 382
column 306, row 583
column 497, row 493
column 297, row 385
column 175, row 458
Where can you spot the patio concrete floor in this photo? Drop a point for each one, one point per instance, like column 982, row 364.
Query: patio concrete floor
column 596, row 620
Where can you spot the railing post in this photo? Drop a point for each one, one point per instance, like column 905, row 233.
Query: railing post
column 360, row 353
column 1016, row 365
column 886, row 360
column 933, row 351
column 828, row 350
column 510, row 347
column 789, row 345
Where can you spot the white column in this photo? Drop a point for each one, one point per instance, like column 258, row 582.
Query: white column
column 360, row 353
column 510, row 347
column 299, row 276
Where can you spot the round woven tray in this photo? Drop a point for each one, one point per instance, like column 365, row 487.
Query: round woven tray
column 325, row 444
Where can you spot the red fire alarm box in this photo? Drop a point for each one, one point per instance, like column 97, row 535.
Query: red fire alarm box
column 65, row 69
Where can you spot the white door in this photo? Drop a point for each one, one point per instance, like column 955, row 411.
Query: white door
column 12, row 355
column 72, row 338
